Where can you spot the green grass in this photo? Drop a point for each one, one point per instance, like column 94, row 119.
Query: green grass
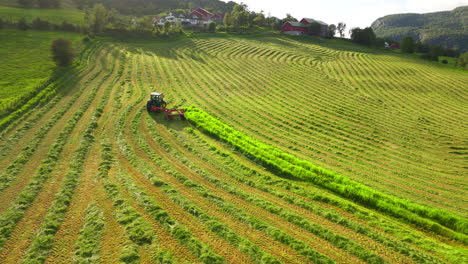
column 55, row 16
column 26, row 61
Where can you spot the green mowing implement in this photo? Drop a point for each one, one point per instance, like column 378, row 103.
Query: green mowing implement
column 157, row 104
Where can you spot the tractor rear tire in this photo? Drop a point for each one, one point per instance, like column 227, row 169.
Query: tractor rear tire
column 148, row 107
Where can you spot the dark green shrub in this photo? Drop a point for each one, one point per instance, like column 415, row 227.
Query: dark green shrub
column 62, row 51
column 22, row 25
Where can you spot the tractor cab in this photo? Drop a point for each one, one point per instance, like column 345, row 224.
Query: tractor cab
column 156, row 97
column 156, row 102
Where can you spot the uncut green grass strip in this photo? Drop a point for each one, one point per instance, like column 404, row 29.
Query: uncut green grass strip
column 16, row 211
column 43, row 240
column 283, row 162
column 277, row 234
column 87, row 245
column 222, row 230
column 240, row 173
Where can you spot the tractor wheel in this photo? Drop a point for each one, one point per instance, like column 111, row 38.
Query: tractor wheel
column 148, row 107
column 163, row 105
column 182, row 117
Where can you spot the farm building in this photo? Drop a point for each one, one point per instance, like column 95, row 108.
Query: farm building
column 294, row 28
column 205, row 16
column 323, row 25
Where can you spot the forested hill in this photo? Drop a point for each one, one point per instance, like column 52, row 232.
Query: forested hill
column 144, row 7
column 448, row 28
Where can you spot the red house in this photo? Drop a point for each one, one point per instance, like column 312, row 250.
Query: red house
column 294, row 28
column 206, row 16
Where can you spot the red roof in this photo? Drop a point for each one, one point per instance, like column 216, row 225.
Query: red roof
column 201, row 13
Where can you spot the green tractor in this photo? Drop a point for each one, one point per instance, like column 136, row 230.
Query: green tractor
column 157, row 104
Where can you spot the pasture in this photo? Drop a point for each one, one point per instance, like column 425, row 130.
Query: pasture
column 54, row 16
column 295, row 151
column 26, row 62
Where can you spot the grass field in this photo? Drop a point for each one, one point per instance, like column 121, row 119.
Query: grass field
column 26, row 61
column 54, row 16
column 91, row 177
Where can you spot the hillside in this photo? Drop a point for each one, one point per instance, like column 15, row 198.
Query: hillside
column 448, row 28
column 92, row 177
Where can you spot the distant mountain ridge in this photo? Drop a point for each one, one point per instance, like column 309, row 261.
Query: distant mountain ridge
column 446, row 28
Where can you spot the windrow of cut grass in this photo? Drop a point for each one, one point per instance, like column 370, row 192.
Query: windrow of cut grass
column 335, row 118
column 313, row 201
column 286, row 164
column 87, row 245
column 11, row 216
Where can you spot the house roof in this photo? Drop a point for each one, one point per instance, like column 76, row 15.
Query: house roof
column 296, row 24
column 202, row 12
column 311, row 20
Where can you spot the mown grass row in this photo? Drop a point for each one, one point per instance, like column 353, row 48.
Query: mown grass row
column 87, row 245
column 220, row 65
column 239, row 214
column 222, row 230
column 181, row 233
column 43, row 240
column 294, row 194
column 10, row 173
column 291, row 166
column 335, row 239
column 26, row 197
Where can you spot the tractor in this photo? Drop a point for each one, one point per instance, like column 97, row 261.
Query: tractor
column 157, row 104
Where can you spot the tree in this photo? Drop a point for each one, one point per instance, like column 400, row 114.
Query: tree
column 259, row 19
column 62, row 51
column 289, row 18
column 167, row 25
column 1, row 23
column 363, row 36
column 407, row 45
column 212, row 27
column 331, row 31
column 462, row 60
column 227, row 20
column 22, row 25
column 26, row 3
column 341, row 28
column 98, row 18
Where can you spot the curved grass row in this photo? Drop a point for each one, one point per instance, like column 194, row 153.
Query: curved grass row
column 291, row 166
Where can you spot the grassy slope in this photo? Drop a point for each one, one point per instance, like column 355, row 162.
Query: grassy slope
column 26, row 60
column 363, row 113
column 55, row 16
column 166, row 187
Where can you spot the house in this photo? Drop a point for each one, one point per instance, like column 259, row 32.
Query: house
column 294, row 28
column 323, row 25
column 202, row 16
